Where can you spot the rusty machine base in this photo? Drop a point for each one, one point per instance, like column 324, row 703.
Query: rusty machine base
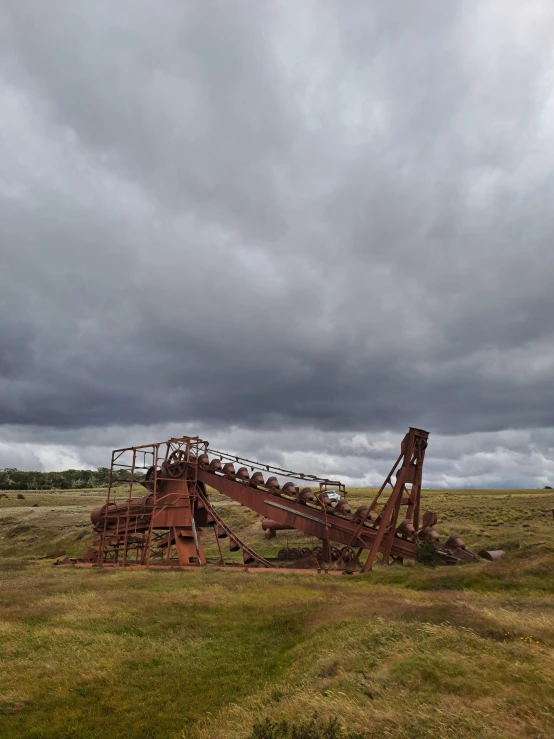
column 168, row 525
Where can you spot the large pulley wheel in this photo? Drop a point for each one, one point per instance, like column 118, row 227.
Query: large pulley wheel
column 176, row 463
column 179, row 455
column 175, row 470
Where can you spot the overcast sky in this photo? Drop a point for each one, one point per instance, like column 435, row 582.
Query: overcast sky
column 293, row 228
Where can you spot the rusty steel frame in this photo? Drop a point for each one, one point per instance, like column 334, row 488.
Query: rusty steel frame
column 126, row 537
column 165, row 528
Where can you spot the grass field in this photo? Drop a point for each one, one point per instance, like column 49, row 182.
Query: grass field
column 465, row 651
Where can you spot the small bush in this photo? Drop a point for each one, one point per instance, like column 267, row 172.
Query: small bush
column 330, row 670
column 426, row 554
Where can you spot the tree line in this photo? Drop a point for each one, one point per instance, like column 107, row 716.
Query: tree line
column 14, row 479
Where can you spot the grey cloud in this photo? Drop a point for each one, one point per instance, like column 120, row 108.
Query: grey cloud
column 517, row 459
column 18, row 456
column 277, row 216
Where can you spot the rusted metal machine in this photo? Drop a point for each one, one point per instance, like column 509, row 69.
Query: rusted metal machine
column 167, row 526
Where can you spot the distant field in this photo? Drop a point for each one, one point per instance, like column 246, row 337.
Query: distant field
column 409, row 652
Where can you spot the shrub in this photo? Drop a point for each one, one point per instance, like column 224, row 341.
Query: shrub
column 426, row 553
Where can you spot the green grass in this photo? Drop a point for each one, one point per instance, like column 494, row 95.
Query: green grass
column 465, row 651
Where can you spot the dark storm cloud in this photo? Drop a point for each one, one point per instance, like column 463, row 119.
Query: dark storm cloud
column 274, row 215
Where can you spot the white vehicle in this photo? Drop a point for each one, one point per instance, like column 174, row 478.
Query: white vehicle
column 333, row 497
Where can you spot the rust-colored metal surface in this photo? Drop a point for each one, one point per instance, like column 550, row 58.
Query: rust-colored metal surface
column 167, row 526
column 492, row 555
